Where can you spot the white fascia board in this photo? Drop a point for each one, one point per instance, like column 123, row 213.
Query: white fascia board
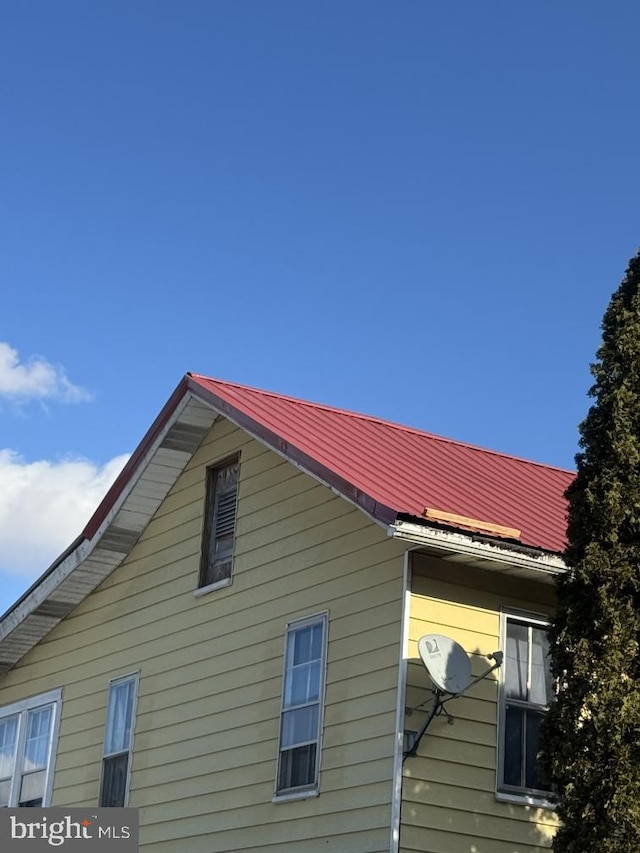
column 457, row 543
column 52, row 580
column 44, row 589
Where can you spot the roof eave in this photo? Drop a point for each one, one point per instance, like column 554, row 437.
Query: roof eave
column 113, row 529
column 124, row 477
column 462, row 546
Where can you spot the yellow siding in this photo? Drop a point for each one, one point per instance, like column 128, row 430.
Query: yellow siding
column 206, row 734
column 448, row 792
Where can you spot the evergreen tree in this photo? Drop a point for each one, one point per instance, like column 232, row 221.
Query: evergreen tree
column 591, row 738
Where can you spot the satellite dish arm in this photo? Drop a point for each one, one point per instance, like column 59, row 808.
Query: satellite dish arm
column 437, row 704
column 497, row 657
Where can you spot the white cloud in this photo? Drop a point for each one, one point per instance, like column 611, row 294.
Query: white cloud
column 44, row 506
column 35, row 379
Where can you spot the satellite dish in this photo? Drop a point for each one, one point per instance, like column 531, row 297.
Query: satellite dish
column 446, row 662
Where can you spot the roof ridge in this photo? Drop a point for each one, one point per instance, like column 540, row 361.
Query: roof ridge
column 384, row 421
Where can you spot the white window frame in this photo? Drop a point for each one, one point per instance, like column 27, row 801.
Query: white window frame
column 311, row 789
column 135, row 678
column 504, row 792
column 21, row 709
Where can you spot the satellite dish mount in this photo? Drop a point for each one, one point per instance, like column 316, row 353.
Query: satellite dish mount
column 450, row 672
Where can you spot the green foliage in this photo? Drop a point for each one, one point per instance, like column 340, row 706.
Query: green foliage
column 591, row 739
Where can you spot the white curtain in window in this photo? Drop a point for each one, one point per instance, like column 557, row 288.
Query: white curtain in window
column 8, row 739
column 304, row 654
column 541, row 682
column 119, row 713
column 37, row 740
column 517, row 661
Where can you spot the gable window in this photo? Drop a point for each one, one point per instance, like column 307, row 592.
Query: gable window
column 220, row 523
column 118, row 741
column 302, row 705
column 527, row 690
column 28, row 734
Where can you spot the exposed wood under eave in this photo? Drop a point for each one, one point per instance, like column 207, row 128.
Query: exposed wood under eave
column 452, row 519
column 460, row 546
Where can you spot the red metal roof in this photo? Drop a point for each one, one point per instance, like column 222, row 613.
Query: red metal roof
column 390, row 469
column 386, row 469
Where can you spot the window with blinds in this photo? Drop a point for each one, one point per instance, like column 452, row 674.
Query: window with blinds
column 220, row 523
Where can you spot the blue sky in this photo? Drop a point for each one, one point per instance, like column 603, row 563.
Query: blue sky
column 417, row 210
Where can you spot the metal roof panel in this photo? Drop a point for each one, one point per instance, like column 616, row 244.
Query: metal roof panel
column 406, row 469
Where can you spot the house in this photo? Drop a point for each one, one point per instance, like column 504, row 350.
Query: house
column 230, row 645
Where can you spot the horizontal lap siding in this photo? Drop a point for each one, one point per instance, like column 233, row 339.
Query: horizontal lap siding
column 206, row 735
column 449, row 803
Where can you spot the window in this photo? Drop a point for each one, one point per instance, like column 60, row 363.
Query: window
column 220, row 523
column 118, row 741
column 527, row 690
column 28, row 734
column 302, row 705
